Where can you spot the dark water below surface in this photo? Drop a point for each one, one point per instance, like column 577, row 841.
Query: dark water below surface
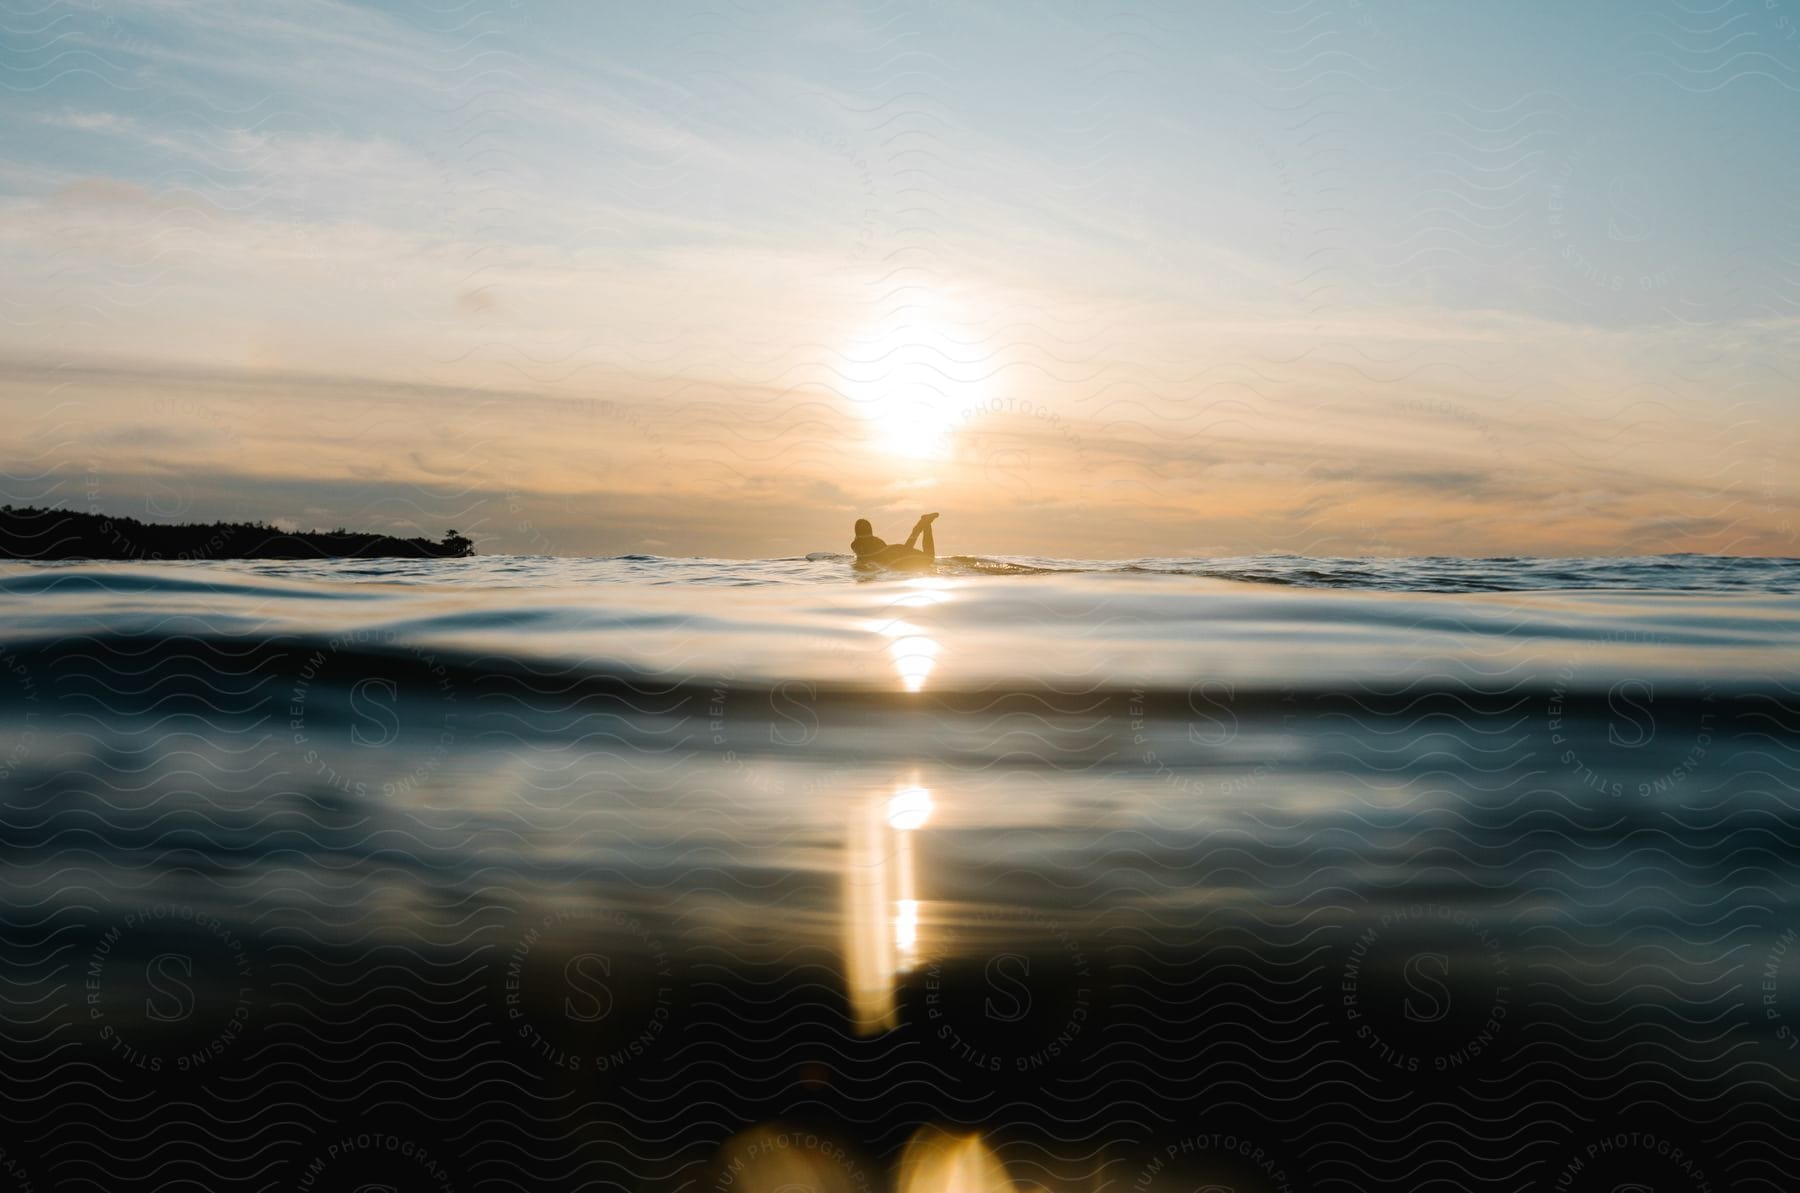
column 579, row 874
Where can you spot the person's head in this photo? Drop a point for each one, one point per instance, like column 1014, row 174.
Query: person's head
column 863, row 529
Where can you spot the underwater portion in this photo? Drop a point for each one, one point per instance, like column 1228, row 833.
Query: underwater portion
column 673, row 874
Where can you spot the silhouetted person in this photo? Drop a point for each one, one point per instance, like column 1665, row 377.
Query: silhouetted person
column 872, row 552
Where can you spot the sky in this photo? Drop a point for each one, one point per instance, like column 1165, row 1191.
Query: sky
column 1339, row 277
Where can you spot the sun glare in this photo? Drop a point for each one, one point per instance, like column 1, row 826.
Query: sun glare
column 916, row 378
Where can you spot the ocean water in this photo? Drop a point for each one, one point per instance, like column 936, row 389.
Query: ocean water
column 647, row 873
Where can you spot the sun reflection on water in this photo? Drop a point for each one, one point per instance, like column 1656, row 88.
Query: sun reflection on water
column 881, row 903
column 882, row 911
column 771, row 1158
column 913, row 650
column 914, row 657
column 936, row 1161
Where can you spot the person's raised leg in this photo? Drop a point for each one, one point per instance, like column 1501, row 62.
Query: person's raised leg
column 927, row 547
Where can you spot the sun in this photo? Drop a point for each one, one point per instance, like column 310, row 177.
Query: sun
column 916, row 377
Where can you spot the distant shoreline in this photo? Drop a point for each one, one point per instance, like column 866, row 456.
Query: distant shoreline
column 45, row 534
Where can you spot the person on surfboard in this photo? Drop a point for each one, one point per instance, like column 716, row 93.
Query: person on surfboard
column 872, row 552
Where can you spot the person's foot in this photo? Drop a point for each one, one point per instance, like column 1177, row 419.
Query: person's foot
column 928, row 517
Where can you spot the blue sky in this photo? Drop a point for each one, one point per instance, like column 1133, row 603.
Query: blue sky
column 1340, row 277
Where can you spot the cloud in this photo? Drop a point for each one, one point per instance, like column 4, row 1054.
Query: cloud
column 638, row 258
column 148, row 436
column 87, row 121
column 535, row 470
column 1464, row 482
column 105, row 193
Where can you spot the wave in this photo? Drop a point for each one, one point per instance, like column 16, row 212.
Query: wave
column 1433, row 574
column 193, row 667
column 1662, row 573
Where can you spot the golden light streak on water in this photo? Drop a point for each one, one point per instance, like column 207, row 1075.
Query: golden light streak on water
column 881, row 903
column 913, row 648
column 914, row 657
column 936, row 1161
column 909, row 808
column 869, row 947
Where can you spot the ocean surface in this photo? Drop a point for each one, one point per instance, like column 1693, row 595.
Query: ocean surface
column 647, row 873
